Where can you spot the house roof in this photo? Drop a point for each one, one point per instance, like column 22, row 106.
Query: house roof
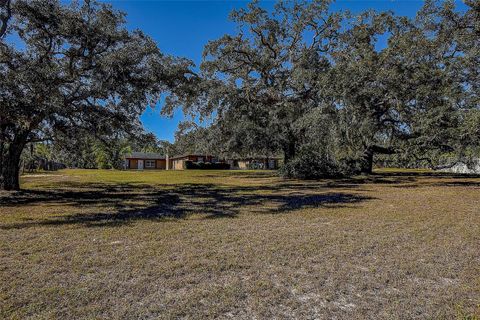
column 260, row 157
column 254, row 157
column 145, row 155
column 191, row 155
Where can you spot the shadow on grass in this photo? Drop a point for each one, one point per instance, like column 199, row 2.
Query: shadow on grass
column 114, row 204
column 124, row 203
column 425, row 179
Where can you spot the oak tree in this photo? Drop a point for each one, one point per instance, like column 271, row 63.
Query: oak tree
column 75, row 66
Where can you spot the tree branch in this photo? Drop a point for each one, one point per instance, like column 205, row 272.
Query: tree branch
column 5, row 4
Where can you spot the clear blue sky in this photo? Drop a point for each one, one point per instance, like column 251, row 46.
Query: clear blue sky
column 182, row 28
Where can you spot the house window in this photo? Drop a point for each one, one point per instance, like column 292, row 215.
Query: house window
column 149, row 163
column 200, row 159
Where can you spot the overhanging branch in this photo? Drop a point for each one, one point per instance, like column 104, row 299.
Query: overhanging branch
column 5, row 5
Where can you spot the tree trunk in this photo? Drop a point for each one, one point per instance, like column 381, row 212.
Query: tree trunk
column 9, row 177
column 289, row 151
column 367, row 160
column 10, row 160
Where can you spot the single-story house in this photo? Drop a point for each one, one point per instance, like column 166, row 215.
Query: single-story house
column 147, row 160
column 178, row 162
column 268, row 163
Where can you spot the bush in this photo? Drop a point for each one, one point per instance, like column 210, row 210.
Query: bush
column 105, row 165
column 206, row 165
column 222, row 166
column 311, row 164
column 189, row 165
column 350, row 166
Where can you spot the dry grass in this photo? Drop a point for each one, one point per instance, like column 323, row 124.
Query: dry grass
column 240, row 244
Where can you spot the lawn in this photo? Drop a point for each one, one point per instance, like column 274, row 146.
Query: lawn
column 99, row 244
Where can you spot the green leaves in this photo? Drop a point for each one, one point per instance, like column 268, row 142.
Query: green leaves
column 78, row 68
column 269, row 83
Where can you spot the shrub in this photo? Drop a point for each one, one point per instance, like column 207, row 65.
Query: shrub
column 222, row 166
column 105, row 165
column 311, row 164
column 350, row 166
column 190, row 165
column 206, row 165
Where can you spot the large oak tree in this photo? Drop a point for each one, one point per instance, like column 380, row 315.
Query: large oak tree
column 417, row 94
column 261, row 80
column 67, row 67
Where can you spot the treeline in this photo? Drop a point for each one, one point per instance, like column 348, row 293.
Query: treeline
column 87, row 151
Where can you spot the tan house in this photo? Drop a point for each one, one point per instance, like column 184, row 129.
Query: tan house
column 266, row 163
column 146, row 161
column 151, row 161
column 178, row 162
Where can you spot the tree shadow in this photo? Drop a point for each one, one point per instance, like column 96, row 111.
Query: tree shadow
column 475, row 184
column 103, row 204
column 415, row 179
column 434, row 174
column 125, row 203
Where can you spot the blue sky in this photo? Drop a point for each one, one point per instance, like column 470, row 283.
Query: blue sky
column 182, row 28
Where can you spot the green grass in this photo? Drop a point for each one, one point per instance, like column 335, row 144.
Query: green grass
column 95, row 244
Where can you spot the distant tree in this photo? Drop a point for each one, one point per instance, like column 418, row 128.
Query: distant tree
column 84, row 150
column 147, row 142
column 78, row 68
column 112, row 149
column 193, row 138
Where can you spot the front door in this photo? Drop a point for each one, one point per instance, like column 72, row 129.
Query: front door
column 140, row 164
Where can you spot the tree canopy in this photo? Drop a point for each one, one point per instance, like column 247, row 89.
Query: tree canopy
column 313, row 83
column 77, row 68
column 263, row 79
column 5, row 15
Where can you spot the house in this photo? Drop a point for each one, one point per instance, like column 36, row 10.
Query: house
column 267, row 163
column 147, row 161
column 178, row 162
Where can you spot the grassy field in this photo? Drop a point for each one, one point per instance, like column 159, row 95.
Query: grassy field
column 99, row 244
